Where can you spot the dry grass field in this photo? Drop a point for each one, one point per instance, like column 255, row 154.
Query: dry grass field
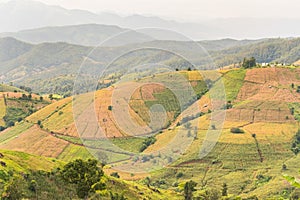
column 2, row 110
column 36, row 141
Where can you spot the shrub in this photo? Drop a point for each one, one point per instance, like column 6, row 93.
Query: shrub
column 115, row 174
column 10, row 124
column 237, row 130
column 296, row 143
column 179, row 175
column 2, row 128
column 148, row 141
column 284, row 167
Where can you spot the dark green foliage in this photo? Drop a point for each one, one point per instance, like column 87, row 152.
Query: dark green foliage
column 189, row 118
column 2, row 128
column 117, row 196
column 110, row 108
column 189, row 188
column 236, row 130
column 296, row 143
column 249, row 62
column 261, row 179
column 224, row 190
column 148, row 141
column 228, row 105
column 292, row 110
column 27, row 89
column 295, row 195
column 10, row 123
column 12, row 115
column 19, row 109
column 179, row 175
column 38, row 185
column 210, row 194
column 85, row 175
column 115, row 174
column 284, row 167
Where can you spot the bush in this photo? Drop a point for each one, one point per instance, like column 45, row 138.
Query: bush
column 115, row 174
column 148, row 141
column 237, row 130
column 10, row 124
column 2, row 128
column 179, row 175
column 296, row 143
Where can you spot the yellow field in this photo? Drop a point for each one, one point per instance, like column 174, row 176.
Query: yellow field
column 47, row 111
column 60, row 119
column 2, row 111
column 194, row 75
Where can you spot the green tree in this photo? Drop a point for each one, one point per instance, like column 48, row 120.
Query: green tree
column 115, row 174
column 224, row 190
column 85, row 175
column 249, row 62
column 14, row 189
column 189, row 188
column 117, row 196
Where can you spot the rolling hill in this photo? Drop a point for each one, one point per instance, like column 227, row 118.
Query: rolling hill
column 250, row 162
column 85, row 35
column 16, row 104
column 55, row 64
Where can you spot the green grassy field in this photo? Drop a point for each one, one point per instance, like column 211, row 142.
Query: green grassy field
column 233, row 81
column 250, row 163
column 13, row 132
column 73, row 152
column 8, row 88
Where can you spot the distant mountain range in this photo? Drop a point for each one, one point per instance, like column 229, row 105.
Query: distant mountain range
column 19, row 15
column 86, row 34
column 47, row 67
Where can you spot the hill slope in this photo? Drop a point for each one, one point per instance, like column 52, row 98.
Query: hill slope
column 34, row 65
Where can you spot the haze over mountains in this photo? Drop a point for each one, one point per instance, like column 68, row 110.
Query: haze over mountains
column 19, row 15
column 47, row 44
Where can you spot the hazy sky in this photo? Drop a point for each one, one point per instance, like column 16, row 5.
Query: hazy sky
column 190, row 9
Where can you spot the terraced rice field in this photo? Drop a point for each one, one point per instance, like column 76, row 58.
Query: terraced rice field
column 270, row 84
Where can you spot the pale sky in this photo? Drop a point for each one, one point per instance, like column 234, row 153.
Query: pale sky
column 189, row 10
